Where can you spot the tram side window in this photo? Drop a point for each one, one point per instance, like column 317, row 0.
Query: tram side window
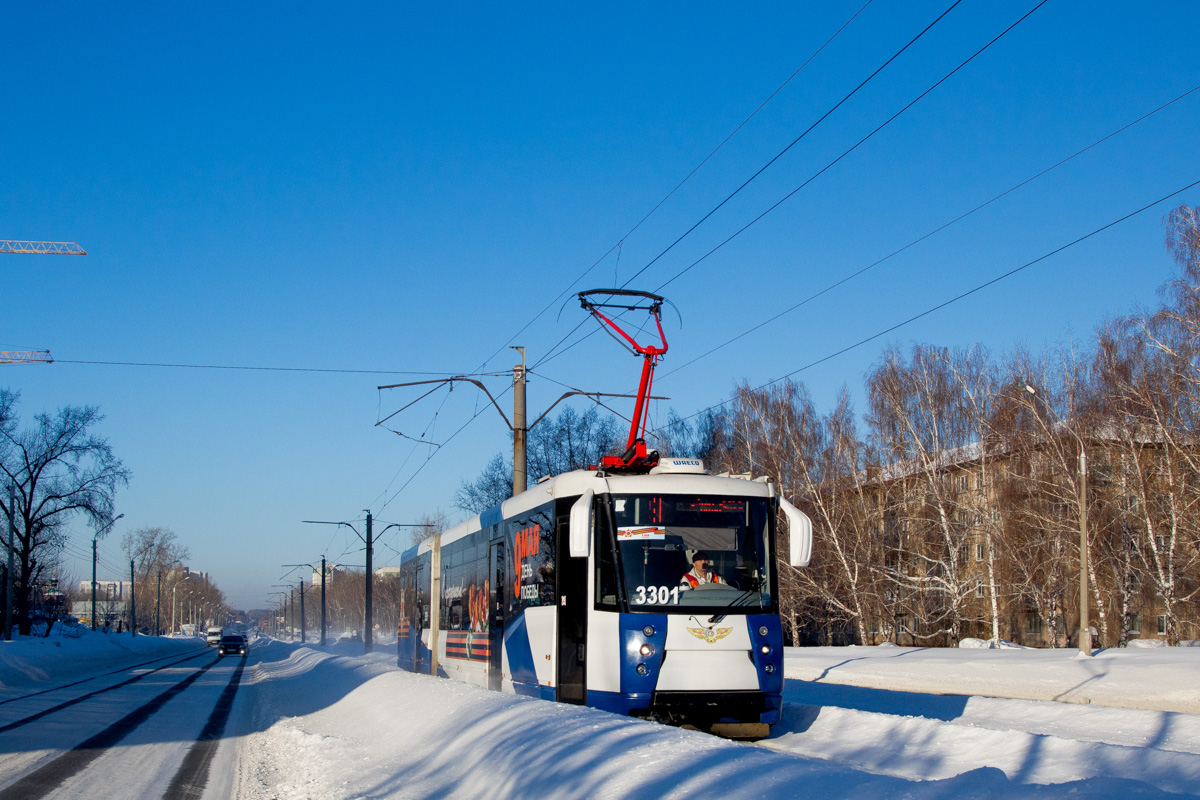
column 606, row 568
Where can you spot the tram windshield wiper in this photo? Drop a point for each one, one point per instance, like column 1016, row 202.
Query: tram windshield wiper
column 738, row 601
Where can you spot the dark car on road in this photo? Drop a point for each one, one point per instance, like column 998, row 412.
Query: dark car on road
column 232, row 644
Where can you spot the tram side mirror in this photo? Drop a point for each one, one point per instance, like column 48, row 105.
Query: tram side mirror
column 582, row 515
column 800, row 534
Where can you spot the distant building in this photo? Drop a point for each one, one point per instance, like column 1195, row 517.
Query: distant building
column 109, row 590
column 332, row 571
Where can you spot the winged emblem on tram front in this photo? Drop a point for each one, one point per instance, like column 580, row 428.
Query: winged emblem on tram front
column 710, row 635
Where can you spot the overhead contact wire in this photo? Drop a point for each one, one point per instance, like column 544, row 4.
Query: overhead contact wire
column 933, row 232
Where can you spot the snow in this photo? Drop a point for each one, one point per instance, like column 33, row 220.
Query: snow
column 860, row 722
column 28, row 661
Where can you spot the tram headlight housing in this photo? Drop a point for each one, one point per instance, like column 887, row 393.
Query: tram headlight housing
column 643, row 670
column 646, row 650
column 649, row 631
column 762, row 630
column 766, row 649
column 769, row 668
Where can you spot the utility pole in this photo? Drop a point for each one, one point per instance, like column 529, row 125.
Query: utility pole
column 157, row 603
column 520, row 431
column 8, row 575
column 303, row 618
column 368, row 540
column 368, row 621
column 132, row 603
column 93, row 583
column 322, row 601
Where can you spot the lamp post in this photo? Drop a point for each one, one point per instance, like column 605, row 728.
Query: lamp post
column 158, row 598
column 1085, row 631
column 96, row 536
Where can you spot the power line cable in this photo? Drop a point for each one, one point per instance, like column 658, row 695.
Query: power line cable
column 813, row 177
column 937, row 230
column 796, row 141
column 856, row 145
column 954, row 299
column 262, row 369
column 620, row 242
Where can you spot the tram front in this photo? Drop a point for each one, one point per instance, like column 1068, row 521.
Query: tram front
column 685, row 627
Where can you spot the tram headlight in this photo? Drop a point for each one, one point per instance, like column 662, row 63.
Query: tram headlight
column 766, row 649
column 769, row 668
column 643, row 670
column 648, row 630
column 762, row 630
column 647, row 650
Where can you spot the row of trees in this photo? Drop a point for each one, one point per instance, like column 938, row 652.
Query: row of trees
column 52, row 471
column 956, row 510
column 166, row 593
column 59, row 469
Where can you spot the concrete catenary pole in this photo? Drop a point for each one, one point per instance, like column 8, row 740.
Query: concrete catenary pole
column 8, row 575
column 520, row 431
column 93, row 583
column 303, row 618
column 368, row 619
column 132, row 603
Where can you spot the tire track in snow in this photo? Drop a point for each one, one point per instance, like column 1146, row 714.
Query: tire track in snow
column 192, row 775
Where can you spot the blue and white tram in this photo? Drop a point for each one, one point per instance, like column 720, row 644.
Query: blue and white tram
column 573, row 591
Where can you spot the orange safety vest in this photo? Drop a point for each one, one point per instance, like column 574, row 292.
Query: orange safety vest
column 694, row 581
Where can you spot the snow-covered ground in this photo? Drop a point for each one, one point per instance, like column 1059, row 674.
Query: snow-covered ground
column 872, row 722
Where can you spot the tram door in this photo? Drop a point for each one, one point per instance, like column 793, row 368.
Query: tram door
column 572, row 595
column 497, row 572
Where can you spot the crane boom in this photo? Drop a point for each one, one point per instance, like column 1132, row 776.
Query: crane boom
column 46, row 248
column 25, row 357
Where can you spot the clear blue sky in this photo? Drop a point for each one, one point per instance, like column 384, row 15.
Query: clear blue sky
column 382, row 186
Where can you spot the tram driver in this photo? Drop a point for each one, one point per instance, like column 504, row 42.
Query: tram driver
column 699, row 574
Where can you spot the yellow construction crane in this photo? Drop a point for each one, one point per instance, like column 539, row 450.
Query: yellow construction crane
column 25, row 357
column 44, row 248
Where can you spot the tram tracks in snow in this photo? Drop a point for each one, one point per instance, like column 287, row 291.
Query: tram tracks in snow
column 55, row 762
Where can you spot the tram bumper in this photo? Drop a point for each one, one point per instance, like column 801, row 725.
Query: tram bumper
column 735, row 714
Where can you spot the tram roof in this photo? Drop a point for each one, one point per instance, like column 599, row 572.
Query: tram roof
column 574, row 484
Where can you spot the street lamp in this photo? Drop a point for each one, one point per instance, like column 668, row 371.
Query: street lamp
column 96, row 536
column 158, row 597
column 1085, row 632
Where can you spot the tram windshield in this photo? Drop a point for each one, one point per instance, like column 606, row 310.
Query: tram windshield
column 651, row 543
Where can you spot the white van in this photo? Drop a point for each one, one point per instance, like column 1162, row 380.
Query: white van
column 213, row 636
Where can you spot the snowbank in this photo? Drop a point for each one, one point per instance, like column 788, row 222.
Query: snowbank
column 1161, row 679
column 319, row 726
column 26, row 661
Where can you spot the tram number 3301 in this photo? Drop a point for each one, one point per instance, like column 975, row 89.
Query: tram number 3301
column 656, row 596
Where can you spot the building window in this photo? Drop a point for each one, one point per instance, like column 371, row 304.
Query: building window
column 963, row 482
column 1162, row 624
column 979, row 551
column 1135, row 623
column 979, row 588
column 1033, row 624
